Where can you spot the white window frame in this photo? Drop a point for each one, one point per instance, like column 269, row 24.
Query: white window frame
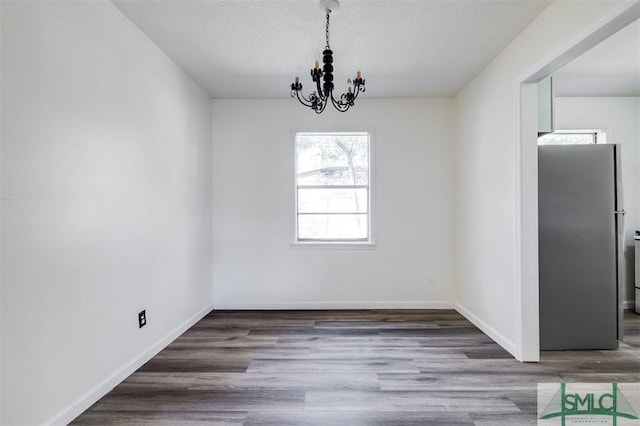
column 336, row 243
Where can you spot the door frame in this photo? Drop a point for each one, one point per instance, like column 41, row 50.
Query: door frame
column 527, row 277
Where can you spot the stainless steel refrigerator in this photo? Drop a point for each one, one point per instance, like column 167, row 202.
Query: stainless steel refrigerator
column 581, row 226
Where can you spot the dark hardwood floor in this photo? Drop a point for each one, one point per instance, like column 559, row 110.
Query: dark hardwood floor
column 347, row 368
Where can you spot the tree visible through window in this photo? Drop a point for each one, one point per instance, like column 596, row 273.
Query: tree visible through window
column 332, row 187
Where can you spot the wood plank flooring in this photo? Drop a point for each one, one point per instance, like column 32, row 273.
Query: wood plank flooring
column 347, row 368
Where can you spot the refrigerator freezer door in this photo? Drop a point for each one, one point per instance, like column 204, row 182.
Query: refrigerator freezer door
column 577, row 236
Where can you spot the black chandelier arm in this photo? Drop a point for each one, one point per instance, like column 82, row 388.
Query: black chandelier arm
column 319, row 91
column 350, row 97
column 347, row 98
column 358, row 84
column 318, row 104
column 314, row 102
column 316, row 73
column 304, row 101
column 316, row 76
column 321, row 105
column 340, row 105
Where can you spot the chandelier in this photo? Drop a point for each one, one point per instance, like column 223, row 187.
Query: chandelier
column 323, row 94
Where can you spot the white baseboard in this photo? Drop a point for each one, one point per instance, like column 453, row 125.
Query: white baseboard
column 78, row 407
column 301, row 306
column 629, row 305
column 83, row 403
column 508, row 345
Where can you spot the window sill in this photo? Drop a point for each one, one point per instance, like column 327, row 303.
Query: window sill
column 319, row 245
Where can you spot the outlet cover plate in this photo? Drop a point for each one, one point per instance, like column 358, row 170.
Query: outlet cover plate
column 142, row 318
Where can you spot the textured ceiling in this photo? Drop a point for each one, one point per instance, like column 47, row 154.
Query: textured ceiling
column 405, row 48
column 612, row 68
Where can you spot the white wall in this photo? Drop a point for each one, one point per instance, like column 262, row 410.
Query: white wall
column 105, row 204
column 255, row 265
column 621, row 118
column 488, row 169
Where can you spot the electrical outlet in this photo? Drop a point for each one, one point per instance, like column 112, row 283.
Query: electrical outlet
column 142, row 318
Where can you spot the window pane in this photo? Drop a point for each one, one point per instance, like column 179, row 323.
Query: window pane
column 332, row 159
column 332, row 200
column 332, row 227
column 332, row 175
column 566, row 139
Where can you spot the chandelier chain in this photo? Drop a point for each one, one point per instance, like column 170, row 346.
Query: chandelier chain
column 327, row 28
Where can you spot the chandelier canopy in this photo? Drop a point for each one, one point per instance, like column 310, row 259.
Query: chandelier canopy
column 323, row 94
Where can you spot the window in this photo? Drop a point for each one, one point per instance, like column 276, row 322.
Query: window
column 573, row 137
column 333, row 192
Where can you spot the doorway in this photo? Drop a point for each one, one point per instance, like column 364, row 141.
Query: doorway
column 528, row 289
